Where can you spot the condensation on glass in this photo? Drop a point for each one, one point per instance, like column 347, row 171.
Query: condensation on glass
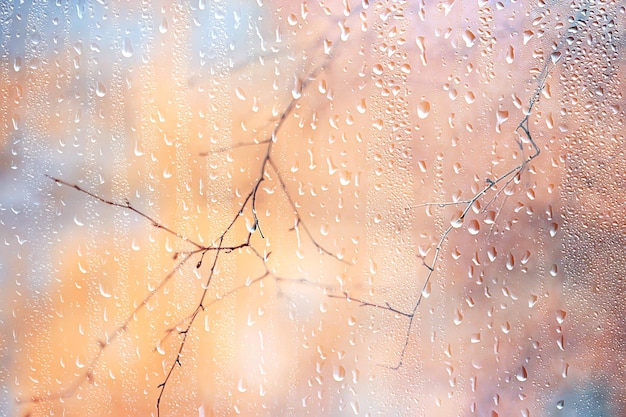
column 289, row 207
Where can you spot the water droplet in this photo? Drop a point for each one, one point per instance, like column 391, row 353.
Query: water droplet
column 164, row 26
column 510, row 262
column 423, row 109
column 456, row 220
column 345, row 178
column 522, row 374
column 560, row 316
column 469, row 38
column 501, row 117
column 475, row 338
column 553, row 229
column 103, row 292
column 242, row 385
column 560, row 404
column 362, row 106
column 554, row 270
column 528, row 34
column 240, row 93
column 555, row 57
column 474, row 227
column 17, row 63
column 101, row 90
column 458, row 317
column 356, row 409
column 510, row 54
column 506, row 327
column 127, row 48
column 339, row 373
column 492, row 253
column 250, row 225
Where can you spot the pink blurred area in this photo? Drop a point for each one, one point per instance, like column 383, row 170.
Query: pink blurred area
column 386, row 106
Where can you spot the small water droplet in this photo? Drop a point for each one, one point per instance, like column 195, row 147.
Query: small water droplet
column 510, row 262
column 339, row 373
column 560, row 404
column 242, row 385
column 528, row 34
column 458, row 317
column 492, row 253
column 510, row 54
column 506, row 327
column 240, row 93
column 164, row 26
column 362, row 106
column 554, row 270
column 17, row 63
column 553, row 229
column 345, row 178
column 423, row 109
column 474, row 227
column 456, row 220
column 250, row 225
column 469, row 38
column 127, row 48
column 101, row 90
column 555, row 57
column 356, row 409
column 103, row 292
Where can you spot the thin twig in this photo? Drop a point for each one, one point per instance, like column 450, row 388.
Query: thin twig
column 504, row 180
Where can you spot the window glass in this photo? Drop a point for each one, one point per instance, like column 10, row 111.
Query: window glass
column 328, row 208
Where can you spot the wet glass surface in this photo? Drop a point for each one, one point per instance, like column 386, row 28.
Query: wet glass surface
column 291, row 208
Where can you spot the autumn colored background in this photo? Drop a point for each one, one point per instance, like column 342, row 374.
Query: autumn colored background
column 382, row 107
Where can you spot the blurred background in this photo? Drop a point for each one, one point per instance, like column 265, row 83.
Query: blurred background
column 373, row 109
